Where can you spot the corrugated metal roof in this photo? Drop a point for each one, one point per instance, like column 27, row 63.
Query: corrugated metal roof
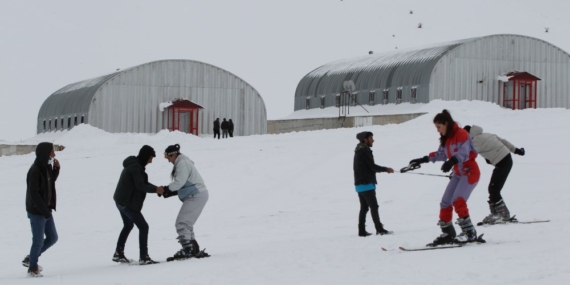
column 391, row 69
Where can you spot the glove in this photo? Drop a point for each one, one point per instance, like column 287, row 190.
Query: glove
column 168, row 193
column 165, row 189
column 446, row 167
column 519, row 151
column 418, row 161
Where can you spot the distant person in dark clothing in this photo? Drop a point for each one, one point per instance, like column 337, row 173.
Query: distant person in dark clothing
column 225, row 127
column 129, row 196
column 217, row 128
column 365, row 183
column 40, row 201
column 231, row 128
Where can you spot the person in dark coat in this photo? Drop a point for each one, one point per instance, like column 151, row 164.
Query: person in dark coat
column 365, row 183
column 40, row 202
column 217, row 128
column 129, row 197
column 225, row 127
column 231, row 128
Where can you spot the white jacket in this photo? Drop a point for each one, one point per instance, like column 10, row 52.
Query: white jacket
column 490, row 146
column 187, row 181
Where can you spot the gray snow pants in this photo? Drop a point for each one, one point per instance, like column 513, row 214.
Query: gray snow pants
column 191, row 209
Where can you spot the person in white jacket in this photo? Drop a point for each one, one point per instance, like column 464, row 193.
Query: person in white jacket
column 497, row 152
column 191, row 190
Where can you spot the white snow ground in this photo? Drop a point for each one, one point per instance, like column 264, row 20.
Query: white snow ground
column 283, row 210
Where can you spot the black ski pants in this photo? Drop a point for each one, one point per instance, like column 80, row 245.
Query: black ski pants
column 499, row 177
column 368, row 201
column 216, row 133
column 131, row 218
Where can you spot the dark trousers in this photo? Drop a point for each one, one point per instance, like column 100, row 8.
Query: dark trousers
column 368, row 201
column 216, row 133
column 231, row 132
column 499, row 177
column 131, row 218
column 224, row 133
column 40, row 227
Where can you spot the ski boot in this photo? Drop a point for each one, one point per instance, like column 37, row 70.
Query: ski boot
column 34, row 272
column 144, row 260
column 120, row 257
column 26, row 263
column 380, row 230
column 447, row 236
column 503, row 212
column 493, row 217
column 469, row 234
column 362, row 231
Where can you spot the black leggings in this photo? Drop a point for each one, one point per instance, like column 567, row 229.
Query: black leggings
column 368, row 200
column 131, row 218
column 499, row 177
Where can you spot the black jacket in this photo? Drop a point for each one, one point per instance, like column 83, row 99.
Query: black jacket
column 230, row 126
column 364, row 168
column 225, row 125
column 133, row 185
column 216, row 125
column 40, row 180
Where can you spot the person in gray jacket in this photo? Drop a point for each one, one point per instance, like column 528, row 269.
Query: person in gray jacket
column 191, row 190
column 497, row 152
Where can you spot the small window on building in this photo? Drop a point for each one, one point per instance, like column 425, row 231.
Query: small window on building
column 61, row 123
column 414, row 95
column 322, row 101
column 69, row 123
column 82, row 119
column 308, row 103
column 371, row 98
column 399, row 95
column 75, row 122
column 55, row 126
column 385, row 96
column 44, row 125
column 353, row 99
column 337, row 100
column 49, row 124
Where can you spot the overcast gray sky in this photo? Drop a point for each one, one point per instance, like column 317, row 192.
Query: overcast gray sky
column 271, row 44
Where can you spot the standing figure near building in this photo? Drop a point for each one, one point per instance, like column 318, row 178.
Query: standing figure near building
column 129, row 198
column 496, row 152
column 225, row 127
column 456, row 149
column 188, row 184
column 365, row 183
column 231, row 128
column 40, row 202
column 217, row 128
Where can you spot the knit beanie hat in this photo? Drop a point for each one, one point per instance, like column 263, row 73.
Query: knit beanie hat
column 172, row 149
column 363, row 135
column 145, row 153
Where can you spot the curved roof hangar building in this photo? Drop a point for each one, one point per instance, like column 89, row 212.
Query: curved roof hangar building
column 469, row 69
column 128, row 100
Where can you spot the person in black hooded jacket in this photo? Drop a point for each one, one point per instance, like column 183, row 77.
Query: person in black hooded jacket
column 365, row 183
column 129, row 196
column 40, row 201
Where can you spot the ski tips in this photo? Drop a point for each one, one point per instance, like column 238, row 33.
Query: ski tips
column 383, row 249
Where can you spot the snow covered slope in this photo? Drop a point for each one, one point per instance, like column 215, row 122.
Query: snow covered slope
column 283, row 210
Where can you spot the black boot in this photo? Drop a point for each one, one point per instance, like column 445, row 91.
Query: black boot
column 144, row 260
column 502, row 211
column 380, row 230
column 362, row 231
column 447, row 236
column 120, row 257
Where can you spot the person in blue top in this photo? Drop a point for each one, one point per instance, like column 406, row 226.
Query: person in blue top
column 365, row 183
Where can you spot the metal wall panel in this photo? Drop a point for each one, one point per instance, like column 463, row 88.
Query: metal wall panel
column 128, row 100
column 470, row 71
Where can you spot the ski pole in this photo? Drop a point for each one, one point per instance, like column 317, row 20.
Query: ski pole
column 428, row 174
